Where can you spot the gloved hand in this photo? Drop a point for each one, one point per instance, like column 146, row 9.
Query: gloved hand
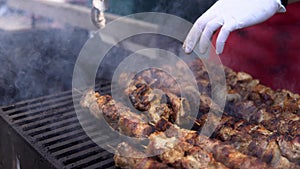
column 230, row 15
column 99, row 4
column 97, row 14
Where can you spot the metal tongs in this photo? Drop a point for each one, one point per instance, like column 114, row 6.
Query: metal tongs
column 97, row 13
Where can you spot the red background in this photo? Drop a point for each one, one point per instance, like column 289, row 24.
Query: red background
column 269, row 51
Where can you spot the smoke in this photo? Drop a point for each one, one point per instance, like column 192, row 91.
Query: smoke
column 187, row 9
column 37, row 62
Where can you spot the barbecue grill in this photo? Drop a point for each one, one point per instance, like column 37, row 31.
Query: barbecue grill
column 45, row 133
column 55, row 131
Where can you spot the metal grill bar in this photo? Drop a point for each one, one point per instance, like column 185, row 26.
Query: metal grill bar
column 51, row 126
column 103, row 157
column 33, row 101
column 79, row 155
column 65, row 137
column 108, row 164
column 71, row 145
column 58, row 139
column 51, row 122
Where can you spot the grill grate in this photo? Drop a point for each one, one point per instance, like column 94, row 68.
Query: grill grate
column 50, row 125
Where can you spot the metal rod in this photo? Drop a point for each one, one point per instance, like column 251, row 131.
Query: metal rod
column 194, row 120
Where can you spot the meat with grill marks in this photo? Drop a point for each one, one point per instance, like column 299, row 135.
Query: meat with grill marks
column 188, row 141
column 128, row 157
column 181, row 156
column 180, row 148
column 118, row 116
column 272, row 117
column 158, row 104
column 277, row 111
column 253, row 140
column 178, row 153
column 232, row 159
column 260, row 128
column 249, row 138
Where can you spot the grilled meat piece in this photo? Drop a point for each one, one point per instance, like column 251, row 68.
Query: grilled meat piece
column 259, row 129
column 278, row 111
column 272, row 118
column 150, row 164
column 261, row 109
column 284, row 123
column 157, row 103
column 153, row 102
column 201, row 75
column 251, row 139
column 139, row 97
column 108, row 107
column 133, row 125
column 260, row 142
column 189, row 140
column 198, row 158
column 290, row 148
column 117, row 115
column 229, row 156
column 180, row 154
column 163, row 124
column 254, row 140
column 154, row 78
column 125, row 158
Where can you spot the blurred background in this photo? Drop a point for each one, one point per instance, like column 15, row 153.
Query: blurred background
column 41, row 39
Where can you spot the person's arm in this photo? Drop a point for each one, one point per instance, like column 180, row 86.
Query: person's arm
column 97, row 13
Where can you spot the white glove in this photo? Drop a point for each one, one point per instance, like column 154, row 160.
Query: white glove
column 99, row 4
column 231, row 15
column 98, row 17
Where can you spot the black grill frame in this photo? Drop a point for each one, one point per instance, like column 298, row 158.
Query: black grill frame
column 49, row 129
